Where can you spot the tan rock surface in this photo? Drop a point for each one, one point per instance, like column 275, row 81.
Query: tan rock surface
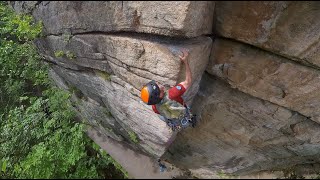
column 241, row 134
column 134, row 59
column 171, row 18
column 267, row 76
column 288, row 28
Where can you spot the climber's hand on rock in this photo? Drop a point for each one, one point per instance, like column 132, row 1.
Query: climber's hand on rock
column 184, row 57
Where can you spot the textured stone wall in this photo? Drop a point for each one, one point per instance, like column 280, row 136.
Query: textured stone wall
column 104, row 52
column 259, row 96
column 256, row 84
column 287, row 28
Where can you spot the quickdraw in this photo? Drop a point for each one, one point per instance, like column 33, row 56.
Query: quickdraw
column 179, row 124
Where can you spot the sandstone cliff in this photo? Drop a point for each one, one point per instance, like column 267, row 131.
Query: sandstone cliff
column 256, row 83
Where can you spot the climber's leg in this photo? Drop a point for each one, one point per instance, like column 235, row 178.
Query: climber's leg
column 193, row 121
column 162, row 167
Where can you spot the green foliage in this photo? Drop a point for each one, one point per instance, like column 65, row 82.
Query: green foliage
column 39, row 137
column 107, row 112
column 223, row 175
column 103, row 75
column 291, row 173
column 110, row 160
column 58, row 53
column 316, row 176
column 76, row 91
column 17, row 27
column 70, row 55
column 133, row 137
column 20, row 68
column 107, row 129
column 66, row 37
column 4, row 166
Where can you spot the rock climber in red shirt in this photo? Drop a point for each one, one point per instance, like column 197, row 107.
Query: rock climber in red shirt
column 170, row 104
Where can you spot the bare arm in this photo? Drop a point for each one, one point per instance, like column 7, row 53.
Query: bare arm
column 184, row 58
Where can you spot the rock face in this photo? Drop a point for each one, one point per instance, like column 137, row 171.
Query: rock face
column 112, row 69
column 135, row 59
column 240, row 134
column 116, row 107
column 186, row 18
column 268, row 76
column 255, row 87
column 288, row 28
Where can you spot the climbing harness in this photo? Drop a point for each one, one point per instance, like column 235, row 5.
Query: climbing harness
column 162, row 167
column 181, row 123
column 177, row 116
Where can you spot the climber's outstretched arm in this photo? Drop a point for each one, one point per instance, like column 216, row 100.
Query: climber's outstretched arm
column 184, row 58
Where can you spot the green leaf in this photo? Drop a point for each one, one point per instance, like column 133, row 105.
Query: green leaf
column 4, row 166
column 37, row 120
column 23, row 98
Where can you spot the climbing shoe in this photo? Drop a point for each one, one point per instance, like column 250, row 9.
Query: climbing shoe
column 162, row 167
column 193, row 121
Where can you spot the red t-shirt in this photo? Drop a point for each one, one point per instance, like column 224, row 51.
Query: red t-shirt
column 175, row 94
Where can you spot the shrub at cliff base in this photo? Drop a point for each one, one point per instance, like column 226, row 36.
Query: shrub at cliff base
column 39, row 137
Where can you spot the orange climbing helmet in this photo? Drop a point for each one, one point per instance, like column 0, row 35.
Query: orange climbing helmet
column 150, row 93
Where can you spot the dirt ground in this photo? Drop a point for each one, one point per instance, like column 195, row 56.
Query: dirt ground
column 138, row 166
